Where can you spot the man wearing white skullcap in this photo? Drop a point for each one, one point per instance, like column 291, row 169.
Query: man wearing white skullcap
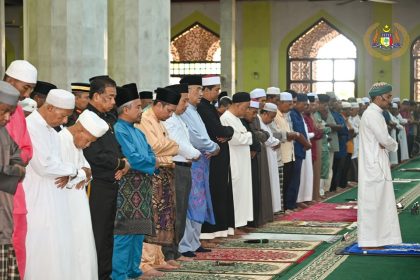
column 11, row 172
column 28, row 106
column 49, row 212
column 73, row 140
column 259, row 95
column 23, row 76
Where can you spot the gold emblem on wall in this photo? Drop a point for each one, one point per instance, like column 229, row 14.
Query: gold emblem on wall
column 385, row 41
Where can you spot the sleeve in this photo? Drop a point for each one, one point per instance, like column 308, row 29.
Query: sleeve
column 278, row 133
column 96, row 155
column 271, row 142
column 10, row 169
column 238, row 138
column 200, row 141
column 177, row 134
column 213, row 124
column 143, row 163
column 19, row 133
column 380, row 131
column 402, row 120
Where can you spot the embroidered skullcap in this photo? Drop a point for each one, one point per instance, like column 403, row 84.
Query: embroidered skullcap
column 380, row 88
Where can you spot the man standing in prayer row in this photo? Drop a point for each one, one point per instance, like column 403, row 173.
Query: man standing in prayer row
column 200, row 207
column 49, row 212
column 72, row 141
column 261, row 194
column 108, row 166
column 12, row 171
column 163, row 199
column 81, row 93
column 240, row 159
column 178, row 132
column 377, row 220
column 220, row 181
column 134, row 203
column 23, row 76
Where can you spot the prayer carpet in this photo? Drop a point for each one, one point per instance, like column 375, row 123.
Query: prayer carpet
column 311, row 224
column 294, row 237
column 255, row 255
column 271, row 244
column 204, row 276
column 276, row 228
column 404, row 250
column 224, row 267
column 322, row 212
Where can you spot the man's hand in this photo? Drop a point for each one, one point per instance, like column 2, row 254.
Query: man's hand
column 291, row 136
column 276, row 147
column 196, row 158
column 126, row 167
column 382, row 147
column 22, row 171
column 253, row 154
column 81, row 184
column 222, row 139
column 61, row 182
column 88, row 173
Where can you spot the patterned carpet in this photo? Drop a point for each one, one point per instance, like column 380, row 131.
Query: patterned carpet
column 272, row 245
column 311, row 224
column 256, row 255
column 323, row 212
column 200, row 276
column 279, row 228
column 217, row 267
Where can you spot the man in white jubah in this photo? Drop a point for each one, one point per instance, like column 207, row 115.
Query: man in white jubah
column 49, row 242
column 266, row 117
column 377, row 220
column 240, row 159
column 73, row 140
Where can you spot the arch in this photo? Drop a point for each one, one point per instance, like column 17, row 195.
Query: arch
column 406, row 90
column 196, row 17
column 304, row 27
column 414, row 65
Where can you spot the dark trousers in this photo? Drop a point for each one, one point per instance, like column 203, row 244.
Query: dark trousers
column 344, row 172
column 183, row 183
column 338, row 173
column 103, row 206
column 293, row 189
column 287, row 176
column 410, row 143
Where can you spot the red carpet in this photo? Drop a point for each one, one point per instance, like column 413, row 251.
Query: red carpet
column 323, row 212
column 255, row 255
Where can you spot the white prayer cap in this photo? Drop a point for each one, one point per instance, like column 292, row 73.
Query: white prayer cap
column 211, row 80
column 396, row 100
column 359, row 100
column 273, row 91
column 394, row 105
column 257, row 93
column 28, row 104
column 93, row 123
column 405, row 100
column 345, row 105
column 366, row 100
column 355, row 105
column 313, row 94
column 61, row 98
column 286, row 96
column 8, row 94
column 23, row 71
column 270, row 107
column 254, row 104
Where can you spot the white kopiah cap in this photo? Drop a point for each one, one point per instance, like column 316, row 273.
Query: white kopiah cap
column 28, row 104
column 61, row 98
column 270, row 107
column 23, row 71
column 93, row 123
column 211, row 80
column 254, row 104
column 273, row 91
column 286, row 96
column 257, row 93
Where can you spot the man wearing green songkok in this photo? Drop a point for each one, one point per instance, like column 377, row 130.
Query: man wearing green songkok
column 377, row 220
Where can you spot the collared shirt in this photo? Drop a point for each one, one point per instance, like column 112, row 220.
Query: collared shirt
column 298, row 126
column 179, row 133
column 135, row 147
column 286, row 148
column 158, row 137
column 199, row 137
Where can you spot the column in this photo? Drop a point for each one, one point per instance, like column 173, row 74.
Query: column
column 227, row 44
column 2, row 40
column 66, row 40
column 139, row 38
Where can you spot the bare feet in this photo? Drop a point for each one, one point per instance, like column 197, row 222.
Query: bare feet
column 165, row 266
column 184, row 259
column 302, row 205
column 174, row 263
column 152, row 273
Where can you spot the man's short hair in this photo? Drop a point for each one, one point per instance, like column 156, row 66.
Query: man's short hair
column 98, row 85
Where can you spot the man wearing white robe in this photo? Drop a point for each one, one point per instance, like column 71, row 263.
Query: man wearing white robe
column 240, row 159
column 399, row 135
column 267, row 115
column 49, row 242
column 378, row 223
column 73, row 140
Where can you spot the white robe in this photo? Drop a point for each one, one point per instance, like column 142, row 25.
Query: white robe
column 401, row 139
column 240, row 166
column 49, row 237
column 83, row 257
column 306, row 187
column 272, row 167
column 377, row 221
column 355, row 122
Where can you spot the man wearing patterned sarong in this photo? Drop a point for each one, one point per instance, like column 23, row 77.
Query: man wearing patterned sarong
column 134, row 201
column 163, row 198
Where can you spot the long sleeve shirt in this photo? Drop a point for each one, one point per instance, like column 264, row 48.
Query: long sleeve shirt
column 104, row 155
column 199, row 137
column 286, row 148
column 158, row 138
column 298, row 126
column 179, row 133
column 9, row 156
column 135, row 147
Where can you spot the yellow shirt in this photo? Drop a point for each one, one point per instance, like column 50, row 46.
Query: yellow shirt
column 286, row 149
column 157, row 137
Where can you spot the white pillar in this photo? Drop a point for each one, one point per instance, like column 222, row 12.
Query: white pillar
column 139, row 38
column 227, row 43
column 66, row 40
column 2, row 40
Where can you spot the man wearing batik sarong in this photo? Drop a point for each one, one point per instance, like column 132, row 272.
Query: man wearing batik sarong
column 134, row 201
column 163, row 198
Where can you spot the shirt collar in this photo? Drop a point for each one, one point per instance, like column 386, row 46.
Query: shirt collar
column 125, row 122
column 375, row 107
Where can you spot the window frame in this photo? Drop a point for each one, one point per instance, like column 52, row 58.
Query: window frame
column 413, row 79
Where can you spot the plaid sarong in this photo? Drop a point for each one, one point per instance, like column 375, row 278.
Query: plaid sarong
column 8, row 264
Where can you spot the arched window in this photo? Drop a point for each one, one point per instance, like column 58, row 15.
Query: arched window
column 321, row 60
column 415, row 70
column 196, row 50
